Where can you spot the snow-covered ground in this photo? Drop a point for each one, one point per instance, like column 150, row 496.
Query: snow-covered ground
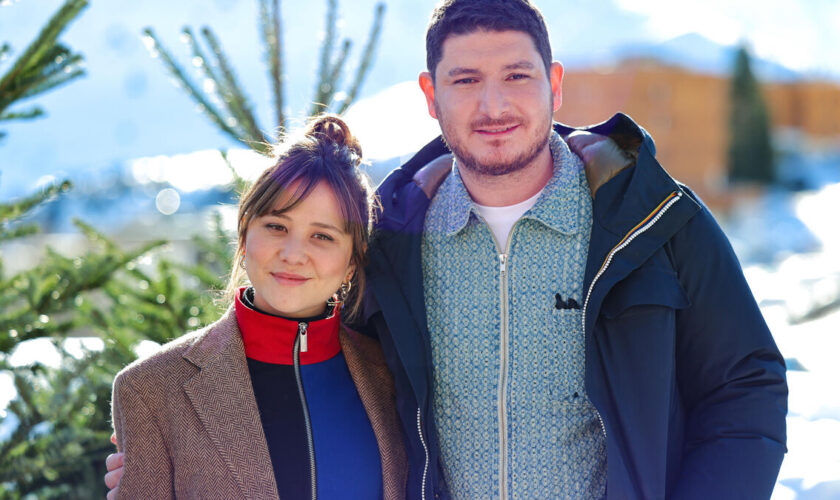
column 799, row 294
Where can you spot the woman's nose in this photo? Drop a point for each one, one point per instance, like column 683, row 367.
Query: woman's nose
column 293, row 251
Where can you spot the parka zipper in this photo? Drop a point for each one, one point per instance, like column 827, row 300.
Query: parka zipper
column 638, row 229
column 301, row 345
column 426, row 452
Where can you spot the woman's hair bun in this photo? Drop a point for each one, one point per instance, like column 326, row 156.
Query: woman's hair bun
column 334, row 129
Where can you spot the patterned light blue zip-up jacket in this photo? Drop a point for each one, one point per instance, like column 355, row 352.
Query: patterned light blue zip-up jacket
column 507, row 343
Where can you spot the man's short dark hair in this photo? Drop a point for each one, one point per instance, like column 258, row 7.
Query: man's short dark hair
column 459, row 17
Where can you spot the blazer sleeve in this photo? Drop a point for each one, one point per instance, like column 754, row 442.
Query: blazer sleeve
column 148, row 469
column 731, row 376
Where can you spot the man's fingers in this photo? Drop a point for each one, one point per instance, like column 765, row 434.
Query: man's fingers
column 114, row 461
column 112, row 478
column 114, row 438
column 112, row 495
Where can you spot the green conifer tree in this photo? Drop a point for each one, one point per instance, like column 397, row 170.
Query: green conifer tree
column 750, row 151
column 55, row 432
column 234, row 114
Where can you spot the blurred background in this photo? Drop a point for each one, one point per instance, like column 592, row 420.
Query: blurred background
column 128, row 128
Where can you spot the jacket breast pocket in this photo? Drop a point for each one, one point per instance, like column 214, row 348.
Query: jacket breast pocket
column 651, row 288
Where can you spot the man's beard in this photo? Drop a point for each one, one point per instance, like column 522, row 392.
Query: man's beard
column 498, row 168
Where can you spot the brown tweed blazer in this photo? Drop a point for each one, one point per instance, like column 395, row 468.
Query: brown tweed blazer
column 188, row 421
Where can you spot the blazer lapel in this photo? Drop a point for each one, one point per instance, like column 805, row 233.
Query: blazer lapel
column 223, row 398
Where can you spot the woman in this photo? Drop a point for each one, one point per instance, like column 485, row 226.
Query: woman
column 276, row 398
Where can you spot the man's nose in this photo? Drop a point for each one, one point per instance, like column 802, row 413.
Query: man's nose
column 493, row 100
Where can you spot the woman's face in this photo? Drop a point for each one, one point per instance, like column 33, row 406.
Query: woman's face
column 296, row 260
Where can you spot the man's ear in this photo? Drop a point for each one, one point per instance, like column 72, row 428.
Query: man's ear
column 427, row 85
column 555, row 76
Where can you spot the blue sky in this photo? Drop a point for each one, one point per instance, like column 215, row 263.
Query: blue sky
column 127, row 106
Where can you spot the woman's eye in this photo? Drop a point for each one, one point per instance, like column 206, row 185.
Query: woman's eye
column 323, row 237
column 275, row 227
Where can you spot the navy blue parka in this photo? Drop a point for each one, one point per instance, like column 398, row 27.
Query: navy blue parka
column 679, row 361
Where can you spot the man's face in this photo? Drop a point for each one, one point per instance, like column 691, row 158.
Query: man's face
column 493, row 99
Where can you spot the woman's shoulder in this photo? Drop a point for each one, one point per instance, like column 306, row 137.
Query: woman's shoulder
column 361, row 344
column 170, row 361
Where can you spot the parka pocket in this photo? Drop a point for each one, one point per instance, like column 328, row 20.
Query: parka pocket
column 645, row 288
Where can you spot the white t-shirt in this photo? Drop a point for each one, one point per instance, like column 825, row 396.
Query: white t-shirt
column 502, row 219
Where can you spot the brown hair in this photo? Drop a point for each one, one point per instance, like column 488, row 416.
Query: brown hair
column 326, row 152
column 460, row 17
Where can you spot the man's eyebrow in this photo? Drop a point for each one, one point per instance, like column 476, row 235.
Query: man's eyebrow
column 458, row 71
column 520, row 65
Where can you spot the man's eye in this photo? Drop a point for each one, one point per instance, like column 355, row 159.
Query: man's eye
column 464, row 80
column 519, row 76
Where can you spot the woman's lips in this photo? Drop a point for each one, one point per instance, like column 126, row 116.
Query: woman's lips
column 289, row 279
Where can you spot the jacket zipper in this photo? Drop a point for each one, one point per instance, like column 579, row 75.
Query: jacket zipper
column 503, row 366
column 502, row 393
column 640, row 228
column 300, row 345
column 426, row 452
column 304, row 338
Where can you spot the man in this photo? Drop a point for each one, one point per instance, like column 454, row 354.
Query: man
column 545, row 343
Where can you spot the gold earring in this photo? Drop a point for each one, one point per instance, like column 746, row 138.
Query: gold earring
column 242, row 261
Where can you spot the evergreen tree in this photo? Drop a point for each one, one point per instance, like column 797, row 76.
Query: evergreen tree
column 44, row 65
column 56, row 431
column 750, row 151
column 234, row 114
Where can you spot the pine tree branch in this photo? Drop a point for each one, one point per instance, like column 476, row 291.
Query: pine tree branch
column 18, row 232
column 56, row 74
column 56, row 60
column 33, row 56
column 367, row 58
column 236, row 102
column 216, row 89
column 319, row 100
column 16, row 210
column 177, row 72
column 335, row 72
column 240, row 185
column 33, row 112
column 272, row 33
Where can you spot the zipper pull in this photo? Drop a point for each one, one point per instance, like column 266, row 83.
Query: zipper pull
column 502, row 263
column 304, row 345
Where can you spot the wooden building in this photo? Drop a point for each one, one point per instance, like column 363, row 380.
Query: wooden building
column 687, row 114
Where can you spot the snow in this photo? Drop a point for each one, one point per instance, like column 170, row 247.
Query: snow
column 799, row 295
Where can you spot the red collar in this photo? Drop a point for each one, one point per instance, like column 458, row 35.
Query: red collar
column 271, row 339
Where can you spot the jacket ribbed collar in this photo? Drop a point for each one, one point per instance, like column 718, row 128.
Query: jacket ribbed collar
column 271, row 339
